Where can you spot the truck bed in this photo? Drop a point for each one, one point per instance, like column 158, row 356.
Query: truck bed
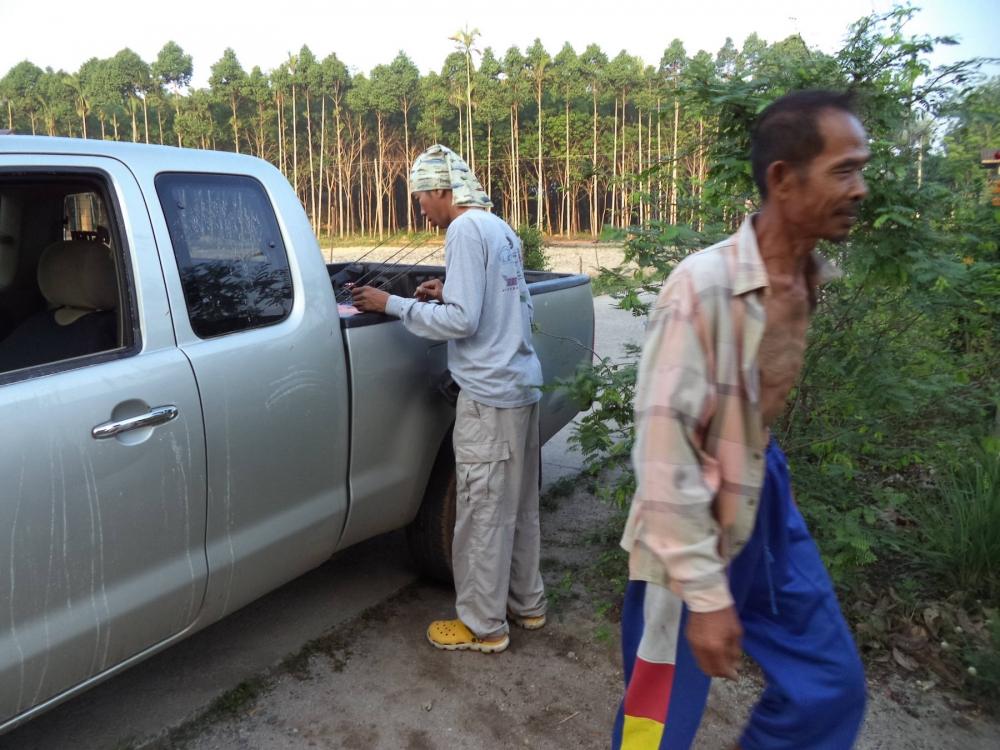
column 405, row 370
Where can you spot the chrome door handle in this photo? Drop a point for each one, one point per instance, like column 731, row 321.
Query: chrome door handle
column 156, row 415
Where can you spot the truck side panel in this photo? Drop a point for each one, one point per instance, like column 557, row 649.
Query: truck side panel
column 398, row 422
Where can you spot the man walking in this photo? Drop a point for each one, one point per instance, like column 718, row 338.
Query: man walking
column 720, row 560
column 483, row 309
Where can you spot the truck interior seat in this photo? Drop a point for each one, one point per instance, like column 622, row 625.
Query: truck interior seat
column 78, row 280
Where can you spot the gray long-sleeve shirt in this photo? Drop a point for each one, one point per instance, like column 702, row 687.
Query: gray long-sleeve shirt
column 486, row 314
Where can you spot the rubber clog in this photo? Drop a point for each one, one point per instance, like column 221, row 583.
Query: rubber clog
column 453, row 635
column 528, row 623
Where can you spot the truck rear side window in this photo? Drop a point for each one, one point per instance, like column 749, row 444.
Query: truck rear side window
column 229, row 251
column 64, row 294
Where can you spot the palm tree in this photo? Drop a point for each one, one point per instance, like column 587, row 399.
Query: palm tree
column 465, row 39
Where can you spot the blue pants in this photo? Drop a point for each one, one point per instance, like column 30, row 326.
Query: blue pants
column 792, row 627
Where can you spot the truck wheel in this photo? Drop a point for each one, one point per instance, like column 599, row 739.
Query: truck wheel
column 431, row 532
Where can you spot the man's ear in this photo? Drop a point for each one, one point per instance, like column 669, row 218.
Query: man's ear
column 782, row 178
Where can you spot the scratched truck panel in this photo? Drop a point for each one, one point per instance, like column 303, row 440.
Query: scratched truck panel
column 189, row 420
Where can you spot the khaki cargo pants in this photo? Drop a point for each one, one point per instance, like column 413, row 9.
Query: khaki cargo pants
column 496, row 548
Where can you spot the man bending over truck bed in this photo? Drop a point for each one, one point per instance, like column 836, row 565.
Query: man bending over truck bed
column 483, row 309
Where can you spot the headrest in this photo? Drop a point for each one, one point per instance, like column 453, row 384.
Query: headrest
column 79, row 274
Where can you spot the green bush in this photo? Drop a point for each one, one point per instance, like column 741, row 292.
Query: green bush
column 532, row 243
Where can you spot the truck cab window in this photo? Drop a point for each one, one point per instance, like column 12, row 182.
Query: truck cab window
column 60, row 289
column 229, row 252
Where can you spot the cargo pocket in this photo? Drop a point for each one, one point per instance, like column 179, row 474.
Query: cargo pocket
column 480, row 472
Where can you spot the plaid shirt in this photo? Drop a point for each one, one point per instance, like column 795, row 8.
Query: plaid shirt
column 700, row 441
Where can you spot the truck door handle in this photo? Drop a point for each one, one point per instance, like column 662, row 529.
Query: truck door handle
column 156, row 415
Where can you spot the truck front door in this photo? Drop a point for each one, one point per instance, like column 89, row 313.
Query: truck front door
column 102, row 455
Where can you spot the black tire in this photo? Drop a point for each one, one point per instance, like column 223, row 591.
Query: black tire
column 431, row 532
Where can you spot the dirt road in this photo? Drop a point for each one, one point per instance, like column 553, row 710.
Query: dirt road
column 376, row 683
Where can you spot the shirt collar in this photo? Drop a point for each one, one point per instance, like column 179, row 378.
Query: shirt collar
column 751, row 273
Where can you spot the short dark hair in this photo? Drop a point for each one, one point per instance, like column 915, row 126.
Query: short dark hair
column 788, row 130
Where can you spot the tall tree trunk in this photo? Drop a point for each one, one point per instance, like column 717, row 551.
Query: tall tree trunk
column 281, row 134
column 380, row 175
column 649, row 164
column 468, row 110
column 614, row 171
column 83, row 125
column 659, row 163
column 341, row 190
column 145, row 120
column 513, row 167
column 406, row 166
column 673, row 166
column 295, row 143
column 638, row 151
column 135, row 125
column 330, row 179
column 566, row 186
column 159, row 125
column 236, row 127
column 523, row 210
column 262, row 138
column 701, row 170
column 626, row 212
column 362, row 198
column 489, row 159
column 322, row 153
column 177, row 113
column 593, row 177
column 540, row 195
column 920, row 164
column 312, row 173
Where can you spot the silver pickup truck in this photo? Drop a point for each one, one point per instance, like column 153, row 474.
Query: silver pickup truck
column 187, row 419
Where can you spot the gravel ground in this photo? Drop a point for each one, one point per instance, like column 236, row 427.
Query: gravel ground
column 376, row 683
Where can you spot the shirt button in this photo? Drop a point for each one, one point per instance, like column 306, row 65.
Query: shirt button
column 757, row 456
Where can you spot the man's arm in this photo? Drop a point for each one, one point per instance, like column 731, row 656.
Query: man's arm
column 461, row 297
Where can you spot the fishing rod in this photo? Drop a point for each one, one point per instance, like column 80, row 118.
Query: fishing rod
column 371, row 273
column 377, row 246
column 345, row 291
column 406, row 270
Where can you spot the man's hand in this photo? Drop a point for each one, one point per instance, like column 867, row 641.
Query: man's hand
column 369, row 299
column 430, row 290
column 715, row 638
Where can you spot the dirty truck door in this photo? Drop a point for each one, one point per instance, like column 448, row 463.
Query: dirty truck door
column 255, row 314
column 102, row 457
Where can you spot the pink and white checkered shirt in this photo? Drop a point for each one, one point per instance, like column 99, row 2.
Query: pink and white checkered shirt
column 700, row 442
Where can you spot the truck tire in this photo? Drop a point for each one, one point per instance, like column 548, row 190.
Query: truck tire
column 431, row 532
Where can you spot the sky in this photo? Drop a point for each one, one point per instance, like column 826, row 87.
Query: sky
column 364, row 33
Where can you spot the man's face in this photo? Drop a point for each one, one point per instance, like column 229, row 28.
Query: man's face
column 435, row 205
column 824, row 203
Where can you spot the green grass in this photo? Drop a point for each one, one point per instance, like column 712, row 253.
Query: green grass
column 236, row 701
column 960, row 527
